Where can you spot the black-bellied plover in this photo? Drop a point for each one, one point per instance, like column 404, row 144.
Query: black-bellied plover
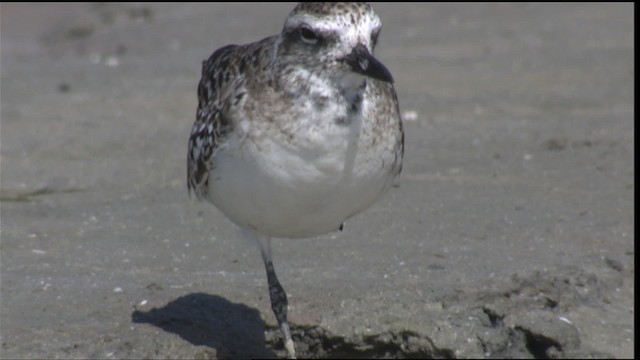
column 297, row 132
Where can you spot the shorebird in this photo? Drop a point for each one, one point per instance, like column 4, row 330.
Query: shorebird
column 297, row 132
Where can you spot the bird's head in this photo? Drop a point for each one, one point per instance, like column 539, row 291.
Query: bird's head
column 333, row 38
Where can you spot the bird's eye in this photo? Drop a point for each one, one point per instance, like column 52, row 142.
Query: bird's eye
column 308, row 36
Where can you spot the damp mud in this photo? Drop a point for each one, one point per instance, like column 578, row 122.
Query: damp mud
column 510, row 232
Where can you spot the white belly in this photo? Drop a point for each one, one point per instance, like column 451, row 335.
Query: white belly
column 300, row 188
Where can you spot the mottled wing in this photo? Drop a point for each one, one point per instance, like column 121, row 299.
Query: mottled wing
column 387, row 103
column 400, row 143
column 213, row 123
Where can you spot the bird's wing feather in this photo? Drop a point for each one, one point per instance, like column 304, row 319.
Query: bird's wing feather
column 218, row 83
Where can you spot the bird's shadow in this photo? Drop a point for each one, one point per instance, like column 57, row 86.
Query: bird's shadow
column 233, row 330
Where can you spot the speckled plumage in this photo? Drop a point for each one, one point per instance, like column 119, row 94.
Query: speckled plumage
column 299, row 131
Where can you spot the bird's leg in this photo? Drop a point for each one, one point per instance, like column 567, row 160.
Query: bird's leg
column 277, row 294
column 279, row 306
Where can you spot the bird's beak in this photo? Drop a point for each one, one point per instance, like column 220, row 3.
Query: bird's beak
column 362, row 62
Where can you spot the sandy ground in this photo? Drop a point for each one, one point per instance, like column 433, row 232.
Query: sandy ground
column 510, row 233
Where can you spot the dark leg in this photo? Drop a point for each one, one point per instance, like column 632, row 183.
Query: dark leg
column 279, row 306
column 276, row 292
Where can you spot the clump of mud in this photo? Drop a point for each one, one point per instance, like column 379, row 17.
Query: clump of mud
column 316, row 342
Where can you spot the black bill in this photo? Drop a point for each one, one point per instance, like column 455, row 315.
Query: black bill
column 362, row 62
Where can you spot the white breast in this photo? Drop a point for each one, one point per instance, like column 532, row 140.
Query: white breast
column 304, row 185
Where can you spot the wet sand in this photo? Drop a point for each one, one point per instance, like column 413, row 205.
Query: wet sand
column 510, row 233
